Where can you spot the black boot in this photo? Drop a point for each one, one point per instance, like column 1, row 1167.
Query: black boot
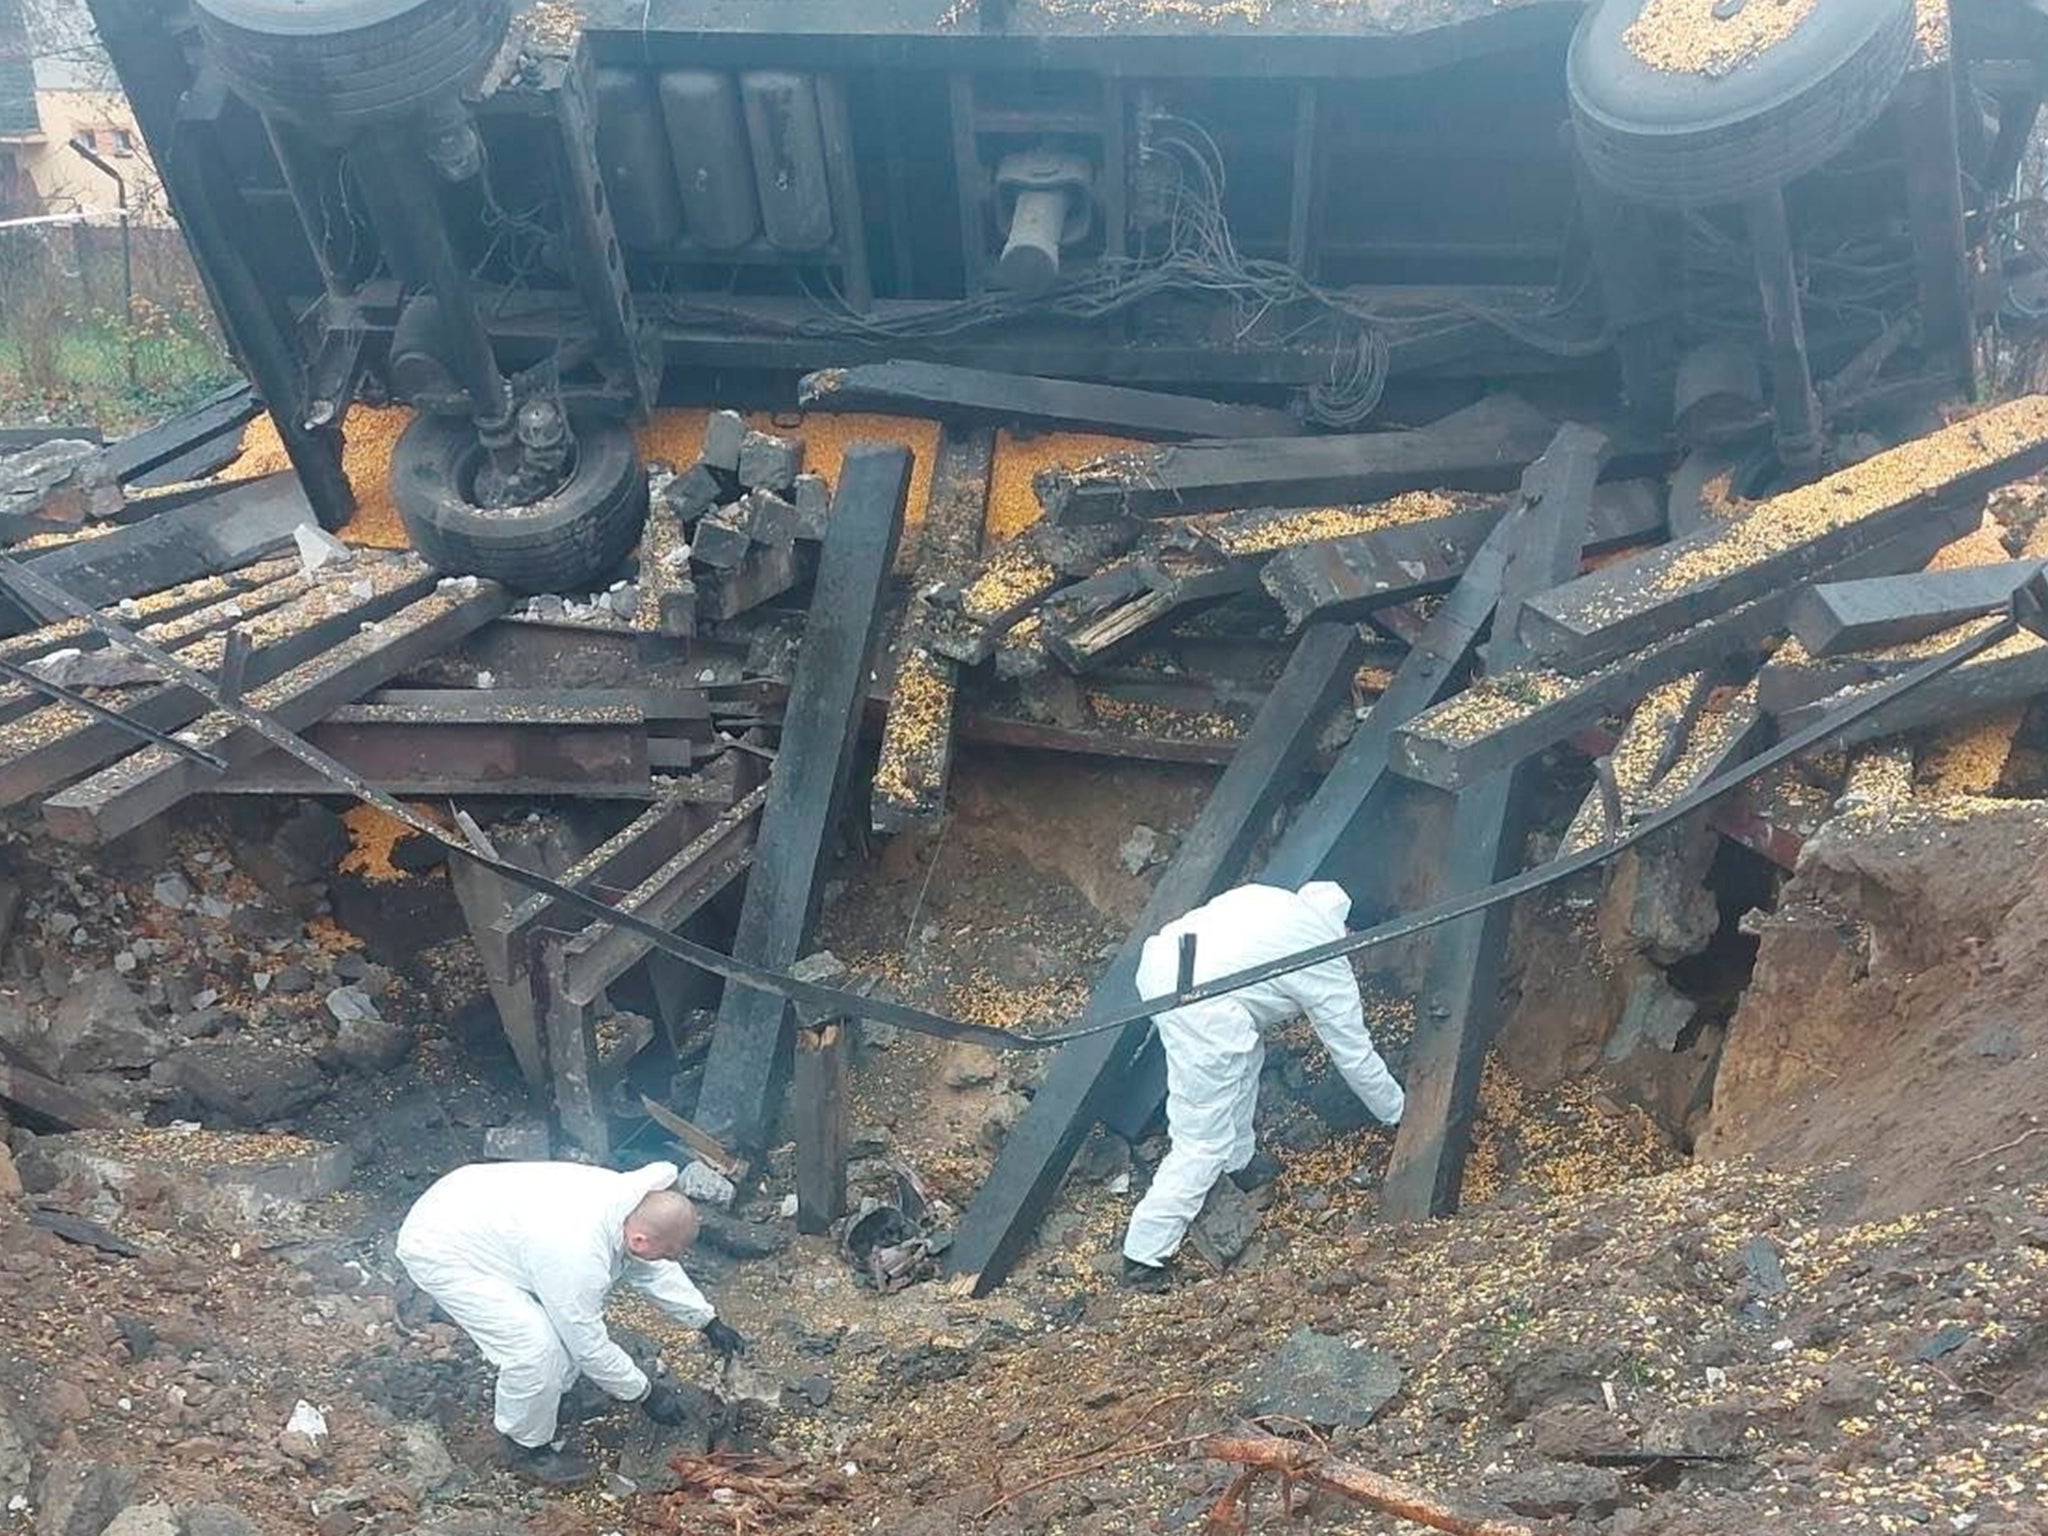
column 547, row 1466
column 1262, row 1170
column 1157, row 1279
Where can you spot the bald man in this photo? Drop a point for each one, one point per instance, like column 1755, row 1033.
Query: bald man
column 522, row 1256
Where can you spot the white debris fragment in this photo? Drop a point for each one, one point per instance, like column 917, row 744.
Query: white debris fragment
column 788, row 1207
column 352, row 1004
column 318, row 548
column 486, row 680
column 307, row 1420
column 364, row 589
column 702, row 1182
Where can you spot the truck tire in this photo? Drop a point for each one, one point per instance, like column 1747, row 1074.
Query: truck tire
column 1692, row 140
column 567, row 542
column 341, row 64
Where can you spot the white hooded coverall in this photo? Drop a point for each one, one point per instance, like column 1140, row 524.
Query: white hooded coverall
column 1214, row 1051
column 521, row 1256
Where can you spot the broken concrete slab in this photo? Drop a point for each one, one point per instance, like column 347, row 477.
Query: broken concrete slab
column 152, row 1519
column 1228, row 1222
column 1324, row 1380
column 228, row 1178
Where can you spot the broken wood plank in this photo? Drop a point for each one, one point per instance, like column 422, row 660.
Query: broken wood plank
column 1501, row 720
column 1484, row 447
column 1354, row 575
column 1085, row 1074
column 128, row 793
column 51, row 745
column 1459, row 1006
column 1836, row 617
column 228, row 529
column 820, row 726
column 523, row 706
column 1784, row 540
column 916, row 758
column 819, row 1094
column 1006, row 399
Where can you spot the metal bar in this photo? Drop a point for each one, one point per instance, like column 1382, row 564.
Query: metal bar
column 1777, row 279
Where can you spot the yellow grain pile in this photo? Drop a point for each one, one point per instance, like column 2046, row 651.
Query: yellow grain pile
column 1685, row 37
column 372, row 835
column 1314, row 525
column 369, row 436
column 167, row 1148
column 920, row 714
column 1885, row 479
column 1012, row 503
column 1012, row 575
column 1931, row 31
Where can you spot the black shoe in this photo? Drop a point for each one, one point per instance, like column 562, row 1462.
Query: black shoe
column 1155, row 1279
column 1262, row 1170
column 547, row 1466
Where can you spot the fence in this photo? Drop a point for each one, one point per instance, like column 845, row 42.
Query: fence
column 102, row 324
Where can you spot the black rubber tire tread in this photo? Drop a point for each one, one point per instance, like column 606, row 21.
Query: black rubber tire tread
column 349, row 78
column 567, row 542
column 1750, row 130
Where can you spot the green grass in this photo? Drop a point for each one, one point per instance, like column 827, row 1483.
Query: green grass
column 87, row 378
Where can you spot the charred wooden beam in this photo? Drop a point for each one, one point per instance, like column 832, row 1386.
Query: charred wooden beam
column 917, row 737
column 48, row 746
column 819, row 727
column 1506, row 718
column 1458, row 1011
column 763, row 572
column 140, row 786
column 1005, row 399
column 1354, row 575
column 1650, row 743
column 1484, row 447
column 1833, row 618
column 204, row 538
column 2011, row 671
column 212, row 427
column 820, row 1101
column 1084, row 1076
column 1925, row 113
column 673, row 893
column 1792, row 537
column 582, row 751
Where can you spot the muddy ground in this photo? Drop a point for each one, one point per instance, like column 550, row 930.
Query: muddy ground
column 1831, row 1322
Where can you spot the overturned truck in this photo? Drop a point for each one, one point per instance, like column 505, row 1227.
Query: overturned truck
column 1655, row 269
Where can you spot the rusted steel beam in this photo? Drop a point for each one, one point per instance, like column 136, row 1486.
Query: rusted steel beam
column 128, row 793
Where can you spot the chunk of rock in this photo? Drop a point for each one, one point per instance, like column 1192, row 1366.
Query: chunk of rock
column 650, row 1447
column 1322, row 1379
column 425, row 1454
column 1578, row 1431
column 1139, row 850
column 10, row 1176
column 15, row 1463
column 248, row 1085
column 218, row 1520
column 81, row 1495
column 101, row 1026
column 519, row 1141
column 1225, row 1228
column 968, row 1065
column 145, row 1520
column 1556, row 1491
column 370, row 1042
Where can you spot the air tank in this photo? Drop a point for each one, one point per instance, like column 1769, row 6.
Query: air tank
column 707, row 139
column 789, row 158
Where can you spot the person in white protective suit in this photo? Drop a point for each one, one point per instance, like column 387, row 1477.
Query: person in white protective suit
column 1214, row 1049
column 521, row 1256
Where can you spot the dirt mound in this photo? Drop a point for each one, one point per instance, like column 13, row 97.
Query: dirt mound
column 1894, row 1018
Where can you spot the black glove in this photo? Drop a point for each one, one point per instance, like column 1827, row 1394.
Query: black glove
column 725, row 1341
column 664, row 1404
